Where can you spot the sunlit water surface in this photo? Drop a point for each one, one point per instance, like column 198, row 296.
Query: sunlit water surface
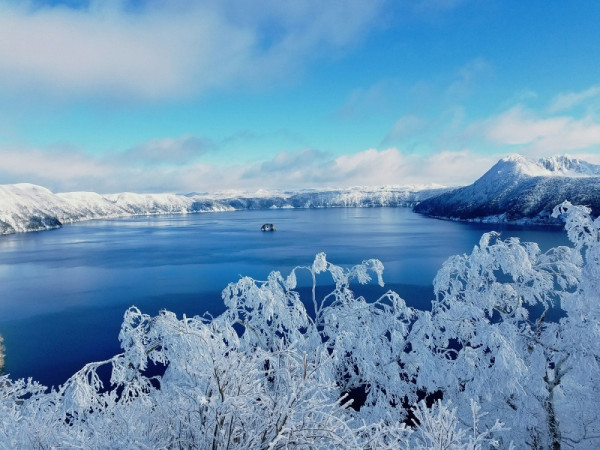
column 63, row 292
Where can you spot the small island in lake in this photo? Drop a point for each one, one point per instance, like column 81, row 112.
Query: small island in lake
column 268, row 227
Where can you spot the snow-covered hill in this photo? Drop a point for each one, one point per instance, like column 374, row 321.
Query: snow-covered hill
column 519, row 190
column 27, row 207
column 514, row 190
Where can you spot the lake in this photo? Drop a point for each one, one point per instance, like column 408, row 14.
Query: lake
column 63, row 292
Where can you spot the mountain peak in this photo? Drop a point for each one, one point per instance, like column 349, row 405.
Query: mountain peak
column 515, row 165
column 569, row 166
column 519, row 189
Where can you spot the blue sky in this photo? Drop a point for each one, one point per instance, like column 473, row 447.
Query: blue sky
column 185, row 96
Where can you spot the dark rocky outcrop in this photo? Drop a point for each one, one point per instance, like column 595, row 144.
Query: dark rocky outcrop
column 268, row 227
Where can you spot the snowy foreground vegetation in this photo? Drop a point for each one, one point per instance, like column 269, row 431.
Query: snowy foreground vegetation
column 267, row 373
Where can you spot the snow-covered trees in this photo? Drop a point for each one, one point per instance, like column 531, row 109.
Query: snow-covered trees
column 518, row 331
column 263, row 375
column 512, row 344
column 1, row 353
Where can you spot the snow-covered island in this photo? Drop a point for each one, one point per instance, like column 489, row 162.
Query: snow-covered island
column 519, row 190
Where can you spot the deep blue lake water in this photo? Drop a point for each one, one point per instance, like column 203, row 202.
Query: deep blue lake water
column 63, row 292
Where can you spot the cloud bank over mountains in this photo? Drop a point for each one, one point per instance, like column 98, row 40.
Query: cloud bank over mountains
column 543, row 135
column 180, row 170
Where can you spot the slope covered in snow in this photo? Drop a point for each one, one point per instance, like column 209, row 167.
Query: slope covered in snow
column 567, row 166
column 27, row 207
column 519, row 190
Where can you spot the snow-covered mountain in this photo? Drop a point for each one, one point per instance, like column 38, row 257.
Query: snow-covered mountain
column 520, row 190
column 571, row 167
column 514, row 190
column 27, row 207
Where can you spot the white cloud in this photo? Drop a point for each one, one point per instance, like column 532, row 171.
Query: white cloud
column 53, row 169
column 68, row 170
column 518, row 126
column 390, row 95
column 374, row 167
column 542, row 136
column 286, row 162
column 467, row 77
column 167, row 49
column 403, row 127
column 566, row 101
column 366, row 101
column 462, row 167
column 167, row 151
column 593, row 158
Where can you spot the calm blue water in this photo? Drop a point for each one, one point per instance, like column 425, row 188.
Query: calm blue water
column 63, row 292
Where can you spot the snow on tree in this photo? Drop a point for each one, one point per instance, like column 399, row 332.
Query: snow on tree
column 491, row 342
column 269, row 374
column 262, row 375
column 1, row 353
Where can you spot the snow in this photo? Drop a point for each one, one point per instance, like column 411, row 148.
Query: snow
column 519, row 190
column 569, row 166
column 517, row 165
column 515, row 189
column 553, row 166
column 27, row 207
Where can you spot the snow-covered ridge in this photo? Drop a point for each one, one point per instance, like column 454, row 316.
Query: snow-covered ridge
column 569, row 166
column 27, row 207
column 519, row 190
column 554, row 166
column 515, row 189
